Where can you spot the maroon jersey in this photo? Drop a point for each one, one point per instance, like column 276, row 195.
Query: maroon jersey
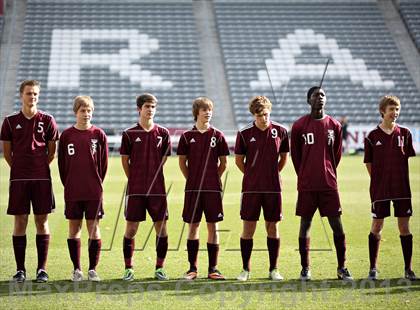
column 316, row 152
column 203, row 151
column 82, row 162
column 262, row 150
column 389, row 155
column 29, row 140
column 146, row 150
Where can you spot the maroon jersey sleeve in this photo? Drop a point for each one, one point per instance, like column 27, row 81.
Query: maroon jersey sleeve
column 125, row 144
column 182, row 146
column 296, row 147
column 166, row 143
column 284, row 146
column 338, row 143
column 409, row 149
column 6, row 131
column 51, row 133
column 62, row 158
column 240, row 146
column 222, row 146
column 103, row 162
column 368, row 150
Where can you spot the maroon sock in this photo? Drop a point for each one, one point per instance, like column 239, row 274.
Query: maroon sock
column 407, row 249
column 273, row 246
column 161, row 250
column 374, row 242
column 340, row 248
column 19, row 247
column 246, row 250
column 304, row 246
column 94, row 249
column 42, row 244
column 192, row 248
column 74, row 250
column 128, row 250
column 213, row 253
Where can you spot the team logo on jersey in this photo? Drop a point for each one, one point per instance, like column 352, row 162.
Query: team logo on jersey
column 330, row 136
column 192, row 140
column 378, row 143
column 137, row 140
column 252, row 139
column 94, row 145
column 18, row 126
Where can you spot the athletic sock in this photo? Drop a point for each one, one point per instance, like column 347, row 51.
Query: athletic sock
column 42, row 245
column 340, row 248
column 192, row 248
column 374, row 242
column 304, row 246
column 246, row 250
column 19, row 248
column 161, row 250
column 94, row 252
column 128, row 250
column 74, row 250
column 213, row 253
column 407, row 249
column 273, row 246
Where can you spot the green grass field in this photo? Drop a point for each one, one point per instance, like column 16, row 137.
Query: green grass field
column 324, row 291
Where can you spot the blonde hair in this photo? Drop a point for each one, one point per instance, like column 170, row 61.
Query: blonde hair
column 387, row 101
column 82, row 101
column 259, row 103
column 201, row 103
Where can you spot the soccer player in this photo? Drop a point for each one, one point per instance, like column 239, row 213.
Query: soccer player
column 202, row 158
column 29, row 143
column 261, row 153
column 144, row 150
column 316, row 142
column 387, row 149
column 82, row 163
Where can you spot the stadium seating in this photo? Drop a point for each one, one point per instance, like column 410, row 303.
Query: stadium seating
column 113, row 51
column 292, row 40
column 410, row 12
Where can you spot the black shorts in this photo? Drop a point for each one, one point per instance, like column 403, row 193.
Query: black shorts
column 382, row 209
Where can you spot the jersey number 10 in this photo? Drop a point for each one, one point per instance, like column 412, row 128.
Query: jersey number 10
column 309, row 138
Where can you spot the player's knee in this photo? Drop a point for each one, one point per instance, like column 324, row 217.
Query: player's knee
column 404, row 229
column 377, row 227
column 272, row 229
column 336, row 226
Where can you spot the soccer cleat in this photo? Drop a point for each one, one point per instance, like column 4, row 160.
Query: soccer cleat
column 344, row 274
column 215, row 275
column 245, row 275
column 275, row 275
column 128, row 274
column 410, row 275
column 161, row 275
column 20, row 276
column 93, row 276
column 77, row 275
column 373, row 274
column 41, row 276
column 305, row 274
column 190, row 275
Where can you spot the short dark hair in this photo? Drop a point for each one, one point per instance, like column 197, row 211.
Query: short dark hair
column 311, row 91
column 28, row 83
column 143, row 98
